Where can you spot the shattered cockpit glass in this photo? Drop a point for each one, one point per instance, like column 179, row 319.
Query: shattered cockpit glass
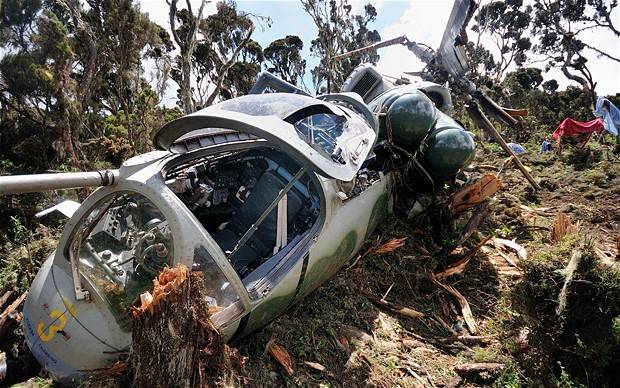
column 122, row 245
column 322, row 131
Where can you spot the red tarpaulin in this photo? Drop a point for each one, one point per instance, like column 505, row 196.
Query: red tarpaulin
column 570, row 127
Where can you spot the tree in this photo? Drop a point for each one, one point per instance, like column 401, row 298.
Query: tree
column 67, row 66
column 226, row 37
column 339, row 31
column 558, row 26
column 506, row 22
column 186, row 39
column 481, row 63
column 285, row 61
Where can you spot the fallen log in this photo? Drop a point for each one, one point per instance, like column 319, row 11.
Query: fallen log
column 478, row 367
column 6, row 314
column 174, row 341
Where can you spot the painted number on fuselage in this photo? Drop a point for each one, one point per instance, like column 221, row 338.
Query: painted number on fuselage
column 58, row 321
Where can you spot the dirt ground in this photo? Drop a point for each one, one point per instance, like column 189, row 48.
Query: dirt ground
column 341, row 336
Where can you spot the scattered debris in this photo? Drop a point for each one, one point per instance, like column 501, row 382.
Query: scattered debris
column 118, row 369
column 460, row 266
column 469, row 339
column 390, row 246
column 465, row 309
column 402, row 310
column 512, row 244
column 478, row 367
column 562, row 226
column 546, row 146
column 516, row 148
column 569, row 273
column 476, row 193
column 315, row 366
column 478, row 213
column 9, row 312
column 281, row 356
column 541, row 211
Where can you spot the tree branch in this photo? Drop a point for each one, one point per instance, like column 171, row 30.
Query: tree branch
column 602, row 53
column 227, row 66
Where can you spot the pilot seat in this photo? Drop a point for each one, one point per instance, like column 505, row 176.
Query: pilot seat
column 263, row 241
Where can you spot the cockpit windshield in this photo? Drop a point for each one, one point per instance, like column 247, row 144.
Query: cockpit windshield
column 122, row 245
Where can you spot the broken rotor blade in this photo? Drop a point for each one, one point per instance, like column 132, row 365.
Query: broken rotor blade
column 483, row 122
column 494, row 110
column 452, row 58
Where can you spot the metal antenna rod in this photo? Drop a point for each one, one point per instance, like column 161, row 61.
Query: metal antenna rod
column 400, row 40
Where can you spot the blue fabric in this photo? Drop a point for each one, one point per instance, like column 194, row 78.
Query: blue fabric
column 516, row 148
column 545, row 146
column 609, row 113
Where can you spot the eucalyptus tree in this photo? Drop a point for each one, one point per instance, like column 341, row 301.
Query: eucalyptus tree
column 339, row 31
column 284, row 59
column 559, row 26
column 506, row 23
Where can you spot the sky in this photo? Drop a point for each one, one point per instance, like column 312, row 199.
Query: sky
column 420, row 20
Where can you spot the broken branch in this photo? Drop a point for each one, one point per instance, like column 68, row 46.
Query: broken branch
column 478, row 367
column 569, row 271
column 465, row 309
column 402, row 310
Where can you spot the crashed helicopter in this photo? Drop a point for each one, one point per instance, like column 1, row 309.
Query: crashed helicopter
column 268, row 195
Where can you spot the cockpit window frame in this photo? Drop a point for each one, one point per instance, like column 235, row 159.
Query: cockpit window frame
column 273, row 124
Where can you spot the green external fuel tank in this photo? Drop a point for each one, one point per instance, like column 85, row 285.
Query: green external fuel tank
column 444, row 146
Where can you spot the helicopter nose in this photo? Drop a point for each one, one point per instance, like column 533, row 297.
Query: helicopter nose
column 69, row 338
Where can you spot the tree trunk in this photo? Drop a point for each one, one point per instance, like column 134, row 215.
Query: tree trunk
column 186, row 87
column 174, row 342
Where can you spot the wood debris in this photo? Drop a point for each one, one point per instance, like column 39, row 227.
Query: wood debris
column 472, row 225
column 562, row 226
column 541, row 211
column 5, row 298
column 503, row 264
column 402, row 310
column 569, row 273
column 465, row 309
column 9, row 312
column 478, row 367
column 476, row 193
column 460, row 266
column 469, row 339
column 315, row 366
column 512, row 244
column 168, row 280
column 390, row 246
column 280, row 354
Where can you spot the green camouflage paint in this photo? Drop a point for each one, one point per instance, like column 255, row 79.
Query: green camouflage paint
column 378, row 214
column 327, row 266
column 266, row 312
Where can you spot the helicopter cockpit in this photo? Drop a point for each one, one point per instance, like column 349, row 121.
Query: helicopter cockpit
column 260, row 190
